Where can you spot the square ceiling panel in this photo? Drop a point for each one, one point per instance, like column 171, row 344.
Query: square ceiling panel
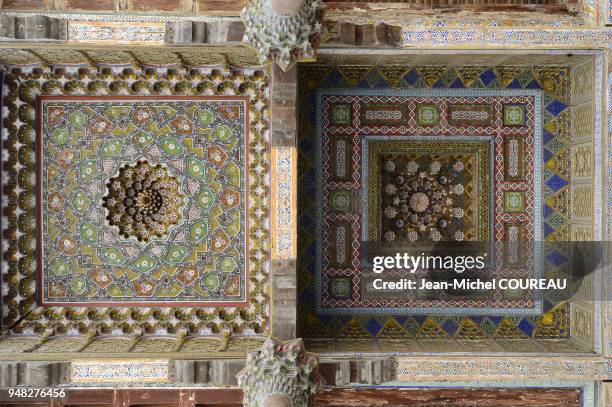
column 143, row 201
column 427, row 191
column 418, row 166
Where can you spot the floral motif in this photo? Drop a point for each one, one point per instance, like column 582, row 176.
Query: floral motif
column 422, row 201
column 97, row 247
column 143, row 201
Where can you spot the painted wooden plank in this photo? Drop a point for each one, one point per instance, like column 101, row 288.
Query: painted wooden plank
column 24, row 4
column 226, row 7
column 89, row 5
column 483, row 397
column 156, row 5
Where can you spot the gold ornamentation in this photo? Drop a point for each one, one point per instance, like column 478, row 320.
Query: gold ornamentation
column 582, row 233
column 508, row 330
column 143, row 201
column 431, row 330
column 393, row 74
column 469, row 74
column 582, row 324
column 469, row 330
column 354, row 73
column 20, row 306
column 392, row 330
column 560, row 202
column 582, row 82
column 583, row 121
column 431, row 74
column 581, row 198
column 508, row 74
column 553, row 323
column 582, row 161
column 554, row 81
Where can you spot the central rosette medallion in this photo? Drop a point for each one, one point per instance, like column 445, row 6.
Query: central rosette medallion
column 424, row 199
column 143, row 200
column 419, row 202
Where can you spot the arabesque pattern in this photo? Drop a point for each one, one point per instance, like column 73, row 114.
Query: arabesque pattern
column 554, row 83
column 117, row 229
column 192, row 114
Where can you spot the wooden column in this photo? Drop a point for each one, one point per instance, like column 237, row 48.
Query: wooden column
column 283, row 270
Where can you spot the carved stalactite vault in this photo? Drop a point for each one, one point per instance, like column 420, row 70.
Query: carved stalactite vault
column 284, row 31
column 280, row 374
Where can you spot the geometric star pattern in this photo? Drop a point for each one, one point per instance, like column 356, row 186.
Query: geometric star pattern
column 23, row 312
column 194, row 148
column 554, row 83
column 371, row 123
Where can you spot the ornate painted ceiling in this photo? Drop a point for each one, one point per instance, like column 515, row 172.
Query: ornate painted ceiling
column 143, row 201
column 93, row 233
column 458, row 183
column 113, row 179
column 341, row 103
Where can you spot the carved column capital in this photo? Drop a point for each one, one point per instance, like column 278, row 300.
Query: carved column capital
column 280, row 374
column 283, row 31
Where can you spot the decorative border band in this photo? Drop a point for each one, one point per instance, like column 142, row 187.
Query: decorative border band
column 500, row 368
column 494, row 37
column 284, row 204
column 106, row 371
column 117, row 31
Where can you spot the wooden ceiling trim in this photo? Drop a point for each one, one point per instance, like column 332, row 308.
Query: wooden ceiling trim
column 126, row 7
